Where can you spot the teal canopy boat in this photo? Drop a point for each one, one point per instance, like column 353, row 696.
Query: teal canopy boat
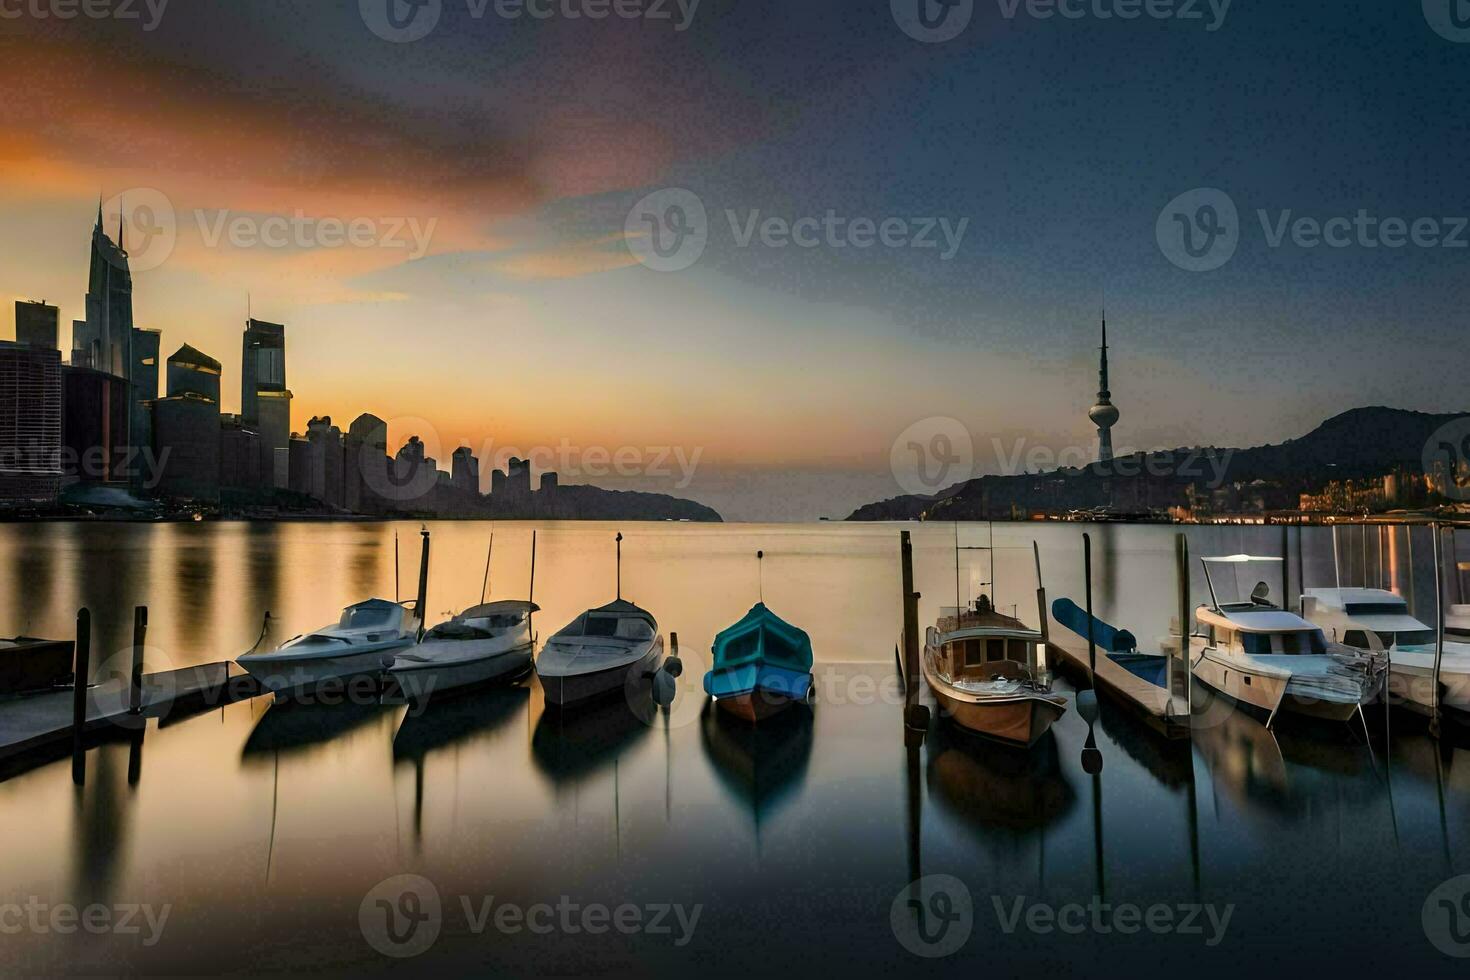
column 761, row 665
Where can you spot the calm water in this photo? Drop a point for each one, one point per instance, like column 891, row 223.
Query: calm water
column 264, row 830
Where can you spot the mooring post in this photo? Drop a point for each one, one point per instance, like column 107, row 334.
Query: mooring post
column 910, row 629
column 83, row 668
column 135, row 675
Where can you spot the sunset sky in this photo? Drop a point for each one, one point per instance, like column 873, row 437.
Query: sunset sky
column 525, row 143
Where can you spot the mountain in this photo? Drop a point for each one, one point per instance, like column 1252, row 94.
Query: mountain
column 1363, row 443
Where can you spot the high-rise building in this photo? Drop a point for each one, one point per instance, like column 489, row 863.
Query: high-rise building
column 105, row 338
column 1103, row 414
column 145, row 384
column 37, row 324
column 326, row 461
column 30, row 426
column 299, row 466
column 466, row 471
column 365, row 465
column 239, row 454
column 186, row 427
column 94, row 426
column 265, row 401
column 518, row 478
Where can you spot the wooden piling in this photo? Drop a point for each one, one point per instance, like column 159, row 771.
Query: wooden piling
column 910, row 629
column 83, row 673
column 135, row 675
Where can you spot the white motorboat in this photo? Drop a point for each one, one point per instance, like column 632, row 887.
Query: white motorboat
column 485, row 643
column 600, row 651
column 361, row 644
column 1378, row 620
column 1262, row 655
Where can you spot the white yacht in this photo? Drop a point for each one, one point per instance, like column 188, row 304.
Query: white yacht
column 485, row 643
column 1262, row 655
column 599, row 652
column 360, row 644
column 1379, row 620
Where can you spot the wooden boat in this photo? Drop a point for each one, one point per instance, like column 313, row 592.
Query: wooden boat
column 983, row 671
column 762, row 664
column 28, row 664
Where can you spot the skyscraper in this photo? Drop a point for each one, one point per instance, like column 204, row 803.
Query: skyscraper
column 144, row 375
column 105, row 338
column 466, row 470
column 265, row 401
column 37, row 324
column 30, row 428
column 1103, row 414
column 186, row 427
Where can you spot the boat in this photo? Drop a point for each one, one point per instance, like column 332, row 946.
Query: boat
column 600, row 651
column 485, row 643
column 363, row 643
column 1379, row 620
column 28, row 665
column 762, row 664
column 983, row 670
column 1259, row 654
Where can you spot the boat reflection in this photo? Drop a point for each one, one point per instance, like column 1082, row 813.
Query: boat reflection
column 993, row 790
column 570, row 744
column 288, row 726
column 453, row 721
column 760, row 765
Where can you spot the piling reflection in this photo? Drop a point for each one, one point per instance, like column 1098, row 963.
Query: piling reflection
column 288, row 726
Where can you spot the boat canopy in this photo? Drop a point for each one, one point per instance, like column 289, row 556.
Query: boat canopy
column 619, row 620
column 1239, row 559
column 371, row 614
column 502, row 607
column 762, row 636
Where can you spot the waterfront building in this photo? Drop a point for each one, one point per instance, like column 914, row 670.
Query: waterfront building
column 144, row 375
column 186, row 428
column 466, row 471
column 1103, row 413
column 37, row 324
column 365, row 464
column 239, row 454
column 326, row 461
column 30, row 428
column 94, row 427
column 298, row 477
column 265, row 401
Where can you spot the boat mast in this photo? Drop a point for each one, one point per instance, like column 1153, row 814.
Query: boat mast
column 620, row 564
column 485, row 583
column 760, row 565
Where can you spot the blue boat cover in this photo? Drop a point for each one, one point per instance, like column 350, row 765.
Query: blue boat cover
column 761, row 651
column 1109, row 638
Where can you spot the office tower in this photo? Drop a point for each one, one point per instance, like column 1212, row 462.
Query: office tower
column 299, row 465
column 186, row 428
column 36, row 324
column 106, row 336
column 144, row 376
column 94, row 426
column 1103, row 414
column 326, row 461
column 518, row 478
column 239, row 454
column 365, row 465
column 549, row 483
column 265, row 401
column 30, row 427
column 466, row 471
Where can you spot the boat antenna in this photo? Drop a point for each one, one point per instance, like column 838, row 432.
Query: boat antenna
column 959, row 604
column 397, row 592
column 531, row 591
column 619, row 540
column 485, row 584
column 760, row 564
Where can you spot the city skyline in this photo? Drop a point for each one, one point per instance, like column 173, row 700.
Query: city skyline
column 529, row 257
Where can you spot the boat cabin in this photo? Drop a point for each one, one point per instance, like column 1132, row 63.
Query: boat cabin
column 374, row 614
column 619, row 620
column 1368, row 619
column 1254, row 630
column 982, row 644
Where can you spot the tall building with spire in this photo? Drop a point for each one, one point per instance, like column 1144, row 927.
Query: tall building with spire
column 1104, row 414
column 104, row 341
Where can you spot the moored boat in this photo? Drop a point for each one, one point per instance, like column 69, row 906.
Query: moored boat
column 762, row 664
column 1261, row 655
column 600, row 651
column 983, row 670
column 484, row 644
column 362, row 643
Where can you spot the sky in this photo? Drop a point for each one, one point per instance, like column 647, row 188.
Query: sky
column 507, row 177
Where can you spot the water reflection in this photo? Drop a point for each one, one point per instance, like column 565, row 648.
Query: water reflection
column 456, row 722
column 760, row 766
column 288, row 726
column 1002, row 794
column 571, row 744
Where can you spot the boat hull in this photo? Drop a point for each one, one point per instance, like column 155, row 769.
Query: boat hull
column 1019, row 721
column 565, row 689
column 420, row 682
column 754, row 706
column 1265, row 691
column 298, row 677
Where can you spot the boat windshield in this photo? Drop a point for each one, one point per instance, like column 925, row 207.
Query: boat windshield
column 1301, row 641
column 368, row 617
column 617, row 627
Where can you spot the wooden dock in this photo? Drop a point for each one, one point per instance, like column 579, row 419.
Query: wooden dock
column 1165, row 713
column 41, row 724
